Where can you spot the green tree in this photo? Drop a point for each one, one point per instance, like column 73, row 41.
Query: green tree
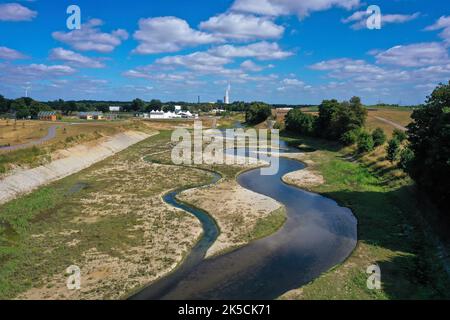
column 154, row 105
column 406, row 158
column 429, row 140
column 365, row 142
column 300, row 122
column 379, row 137
column 4, row 104
column 137, row 105
column 350, row 137
column 257, row 113
column 400, row 135
column 393, row 150
column 169, row 108
column 335, row 119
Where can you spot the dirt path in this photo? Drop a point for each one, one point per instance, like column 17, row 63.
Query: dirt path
column 74, row 160
column 50, row 135
column 394, row 124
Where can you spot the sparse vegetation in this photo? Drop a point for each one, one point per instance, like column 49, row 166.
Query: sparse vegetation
column 108, row 226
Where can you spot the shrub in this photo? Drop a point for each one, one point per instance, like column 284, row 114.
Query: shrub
column 406, row 158
column 300, row 122
column 400, row 135
column 365, row 143
column 379, row 137
column 393, row 150
column 257, row 113
column 350, row 137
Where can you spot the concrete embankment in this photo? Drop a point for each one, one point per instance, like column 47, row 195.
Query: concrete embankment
column 74, row 160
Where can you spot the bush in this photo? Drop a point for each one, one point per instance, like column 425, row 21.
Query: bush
column 365, row 143
column 393, row 150
column 279, row 126
column 379, row 137
column 351, row 137
column 406, row 158
column 400, row 135
column 299, row 122
column 258, row 112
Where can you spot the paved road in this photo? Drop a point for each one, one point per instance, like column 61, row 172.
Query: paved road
column 50, row 135
column 396, row 125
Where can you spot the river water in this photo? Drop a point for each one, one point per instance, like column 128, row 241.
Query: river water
column 318, row 235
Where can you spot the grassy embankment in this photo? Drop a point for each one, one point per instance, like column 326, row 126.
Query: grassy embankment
column 391, row 229
column 401, row 117
column 109, row 220
column 230, row 120
column 66, row 136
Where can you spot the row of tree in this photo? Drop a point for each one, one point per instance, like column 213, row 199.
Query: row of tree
column 27, row 107
column 23, row 107
column 336, row 120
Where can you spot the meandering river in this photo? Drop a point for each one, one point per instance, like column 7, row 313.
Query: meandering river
column 318, row 235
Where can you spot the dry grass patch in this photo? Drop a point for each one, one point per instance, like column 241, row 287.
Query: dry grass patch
column 115, row 227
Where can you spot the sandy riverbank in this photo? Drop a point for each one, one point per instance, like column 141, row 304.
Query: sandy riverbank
column 236, row 210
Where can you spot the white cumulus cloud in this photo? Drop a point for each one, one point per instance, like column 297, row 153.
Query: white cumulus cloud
column 242, row 27
column 359, row 19
column 91, row 38
column 11, row 54
column 301, row 8
column 16, row 12
column 74, row 58
column 260, row 50
column 168, row 34
column 414, row 55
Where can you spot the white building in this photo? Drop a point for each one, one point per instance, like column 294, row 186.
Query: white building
column 161, row 115
column 115, row 109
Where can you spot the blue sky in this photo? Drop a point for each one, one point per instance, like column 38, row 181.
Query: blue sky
column 279, row 51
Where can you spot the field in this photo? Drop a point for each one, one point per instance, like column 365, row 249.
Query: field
column 400, row 117
column 109, row 220
column 391, row 230
column 67, row 135
column 20, row 132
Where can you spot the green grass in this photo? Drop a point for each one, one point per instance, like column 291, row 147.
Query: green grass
column 269, row 225
column 30, row 156
column 390, row 234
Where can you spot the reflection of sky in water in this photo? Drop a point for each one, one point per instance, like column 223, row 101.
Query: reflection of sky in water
column 317, row 235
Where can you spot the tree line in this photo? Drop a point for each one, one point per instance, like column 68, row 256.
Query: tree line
column 27, row 107
column 336, row 120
